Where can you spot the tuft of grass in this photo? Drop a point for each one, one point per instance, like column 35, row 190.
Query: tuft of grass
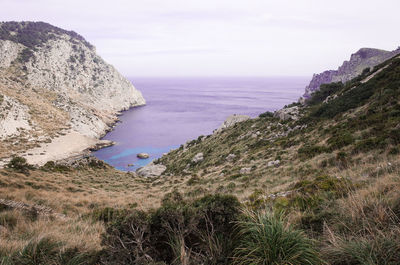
column 369, row 251
column 47, row 251
column 266, row 239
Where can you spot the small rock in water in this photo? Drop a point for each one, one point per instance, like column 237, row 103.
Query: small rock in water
column 130, row 165
column 143, row 155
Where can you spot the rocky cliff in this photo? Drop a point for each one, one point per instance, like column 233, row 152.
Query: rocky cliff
column 52, row 83
column 362, row 59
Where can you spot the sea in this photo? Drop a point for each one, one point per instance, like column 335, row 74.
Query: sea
column 181, row 109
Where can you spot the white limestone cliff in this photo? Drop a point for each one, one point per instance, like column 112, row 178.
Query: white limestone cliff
column 57, row 83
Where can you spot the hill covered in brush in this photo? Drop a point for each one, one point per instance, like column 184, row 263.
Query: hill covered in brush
column 309, row 184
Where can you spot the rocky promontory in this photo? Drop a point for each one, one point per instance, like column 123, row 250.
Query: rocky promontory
column 362, row 59
column 53, row 84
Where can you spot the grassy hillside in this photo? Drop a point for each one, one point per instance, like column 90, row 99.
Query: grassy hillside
column 355, row 130
column 322, row 188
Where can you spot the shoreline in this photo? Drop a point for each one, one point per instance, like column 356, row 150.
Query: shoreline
column 72, row 145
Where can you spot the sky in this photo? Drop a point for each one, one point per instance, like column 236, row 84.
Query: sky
column 220, row 37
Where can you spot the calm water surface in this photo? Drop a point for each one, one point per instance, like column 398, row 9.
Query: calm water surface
column 181, row 109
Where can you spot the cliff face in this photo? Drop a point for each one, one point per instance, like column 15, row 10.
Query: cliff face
column 364, row 58
column 56, row 79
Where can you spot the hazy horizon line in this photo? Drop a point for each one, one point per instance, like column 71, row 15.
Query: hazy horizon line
column 218, row 76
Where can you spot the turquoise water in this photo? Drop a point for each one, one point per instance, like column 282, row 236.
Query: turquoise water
column 122, row 159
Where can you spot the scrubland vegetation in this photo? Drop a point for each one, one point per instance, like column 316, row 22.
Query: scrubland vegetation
column 331, row 195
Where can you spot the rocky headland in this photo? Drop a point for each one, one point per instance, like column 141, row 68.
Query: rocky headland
column 362, row 59
column 56, row 93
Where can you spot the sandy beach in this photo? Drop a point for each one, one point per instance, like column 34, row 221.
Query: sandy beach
column 65, row 146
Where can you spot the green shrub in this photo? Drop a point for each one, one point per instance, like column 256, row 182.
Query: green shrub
column 266, row 239
column 199, row 231
column 267, row 114
column 25, row 55
column 53, row 167
column 309, row 151
column 97, row 163
column 19, row 164
column 324, row 91
column 369, row 144
column 340, row 140
column 311, row 194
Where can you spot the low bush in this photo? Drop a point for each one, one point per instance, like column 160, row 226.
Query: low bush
column 310, row 195
column 340, row 140
column 180, row 231
column 19, row 164
column 308, row 151
column 267, row 114
column 53, row 167
column 324, row 91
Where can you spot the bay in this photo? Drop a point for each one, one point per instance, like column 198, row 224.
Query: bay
column 181, row 109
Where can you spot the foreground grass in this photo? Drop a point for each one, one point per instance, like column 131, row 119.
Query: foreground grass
column 345, row 222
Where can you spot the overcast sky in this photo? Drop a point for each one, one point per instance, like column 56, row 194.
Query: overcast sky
column 220, row 37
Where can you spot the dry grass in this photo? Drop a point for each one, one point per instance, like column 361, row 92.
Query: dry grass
column 74, row 193
column 75, row 232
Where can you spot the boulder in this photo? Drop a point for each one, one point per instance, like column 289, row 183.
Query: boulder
column 143, row 155
column 232, row 120
column 151, row 170
column 245, row 170
column 198, row 158
column 230, row 157
column 101, row 144
column 287, row 113
column 274, row 163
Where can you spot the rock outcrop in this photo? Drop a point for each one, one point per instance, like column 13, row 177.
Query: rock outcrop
column 14, row 117
column 287, row 113
column 151, row 170
column 198, row 158
column 55, row 82
column 143, row 155
column 362, row 59
column 232, row 120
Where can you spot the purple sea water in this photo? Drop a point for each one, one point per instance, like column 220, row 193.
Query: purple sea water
column 181, row 109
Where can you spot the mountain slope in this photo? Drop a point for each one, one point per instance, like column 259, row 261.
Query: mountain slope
column 54, row 83
column 342, row 128
column 327, row 171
